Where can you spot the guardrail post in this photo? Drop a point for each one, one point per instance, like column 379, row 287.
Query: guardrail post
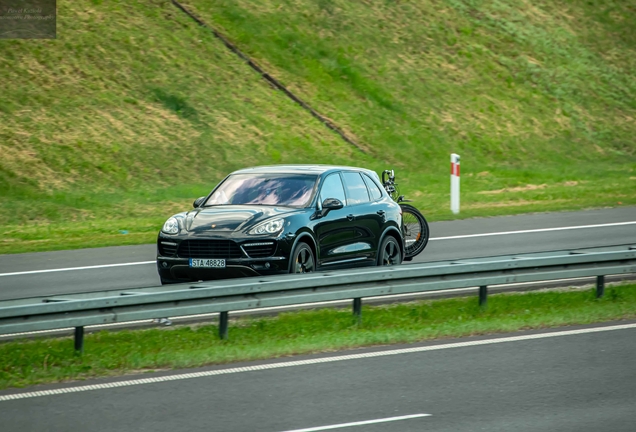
column 600, row 286
column 357, row 307
column 223, row 318
column 79, row 339
column 483, row 295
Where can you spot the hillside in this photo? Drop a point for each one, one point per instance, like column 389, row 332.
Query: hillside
column 135, row 110
column 130, row 114
column 538, row 92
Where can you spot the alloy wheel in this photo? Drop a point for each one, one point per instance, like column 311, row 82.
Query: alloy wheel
column 304, row 260
column 391, row 254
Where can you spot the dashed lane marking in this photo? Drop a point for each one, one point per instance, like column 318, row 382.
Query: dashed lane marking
column 361, row 423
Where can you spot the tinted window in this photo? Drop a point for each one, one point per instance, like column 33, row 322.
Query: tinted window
column 264, row 189
column 374, row 189
column 356, row 189
column 332, row 188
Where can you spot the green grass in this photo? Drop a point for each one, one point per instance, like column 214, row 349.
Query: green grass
column 101, row 135
column 108, row 353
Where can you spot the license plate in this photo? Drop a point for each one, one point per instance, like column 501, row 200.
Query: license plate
column 207, row 263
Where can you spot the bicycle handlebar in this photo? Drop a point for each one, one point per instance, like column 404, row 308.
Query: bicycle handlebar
column 391, row 175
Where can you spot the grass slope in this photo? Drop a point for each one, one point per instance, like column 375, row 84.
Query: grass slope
column 539, row 98
column 29, row 362
column 128, row 116
column 134, row 110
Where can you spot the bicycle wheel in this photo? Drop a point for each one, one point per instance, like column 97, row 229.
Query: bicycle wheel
column 415, row 230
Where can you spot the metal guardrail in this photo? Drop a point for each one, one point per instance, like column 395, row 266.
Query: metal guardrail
column 79, row 310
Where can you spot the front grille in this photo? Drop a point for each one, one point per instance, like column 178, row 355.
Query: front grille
column 226, row 249
column 260, row 249
column 167, row 248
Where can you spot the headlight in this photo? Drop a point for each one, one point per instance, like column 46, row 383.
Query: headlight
column 269, row 227
column 171, row 226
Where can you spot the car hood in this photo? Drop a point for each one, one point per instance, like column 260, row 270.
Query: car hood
column 231, row 218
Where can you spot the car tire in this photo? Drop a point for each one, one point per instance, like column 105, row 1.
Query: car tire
column 389, row 252
column 302, row 259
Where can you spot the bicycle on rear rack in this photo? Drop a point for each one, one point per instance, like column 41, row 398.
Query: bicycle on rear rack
column 414, row 225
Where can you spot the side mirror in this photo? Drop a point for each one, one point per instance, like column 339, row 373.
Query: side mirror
column 326, row 206
column 197, row 202
column 332, row 204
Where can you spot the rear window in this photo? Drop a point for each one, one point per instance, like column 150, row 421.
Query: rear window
column 291, row 190
column 374, row 189
column 356, row 189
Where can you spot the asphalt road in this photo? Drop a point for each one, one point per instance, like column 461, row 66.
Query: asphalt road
column 47, row 273
column 577, row 382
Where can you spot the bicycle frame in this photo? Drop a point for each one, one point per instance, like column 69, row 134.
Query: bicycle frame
column 391, row 186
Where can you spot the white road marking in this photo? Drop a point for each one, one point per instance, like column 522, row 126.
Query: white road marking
column 332, row 359
column 432, row 239
column 360, row 423
column 535, row 230
column 77, row 268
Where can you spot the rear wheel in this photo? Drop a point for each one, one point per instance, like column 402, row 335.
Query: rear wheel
column 415, row 230
column 302, row 259
column 389, row 253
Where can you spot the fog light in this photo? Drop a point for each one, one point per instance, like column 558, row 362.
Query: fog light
column 164, row 264
column 267, row 265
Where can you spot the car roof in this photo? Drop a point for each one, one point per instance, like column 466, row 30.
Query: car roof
column 297, row 169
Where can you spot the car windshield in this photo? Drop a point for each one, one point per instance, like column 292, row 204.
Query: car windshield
column 265, row 189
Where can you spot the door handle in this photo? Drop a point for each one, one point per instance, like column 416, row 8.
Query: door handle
column 350, row 217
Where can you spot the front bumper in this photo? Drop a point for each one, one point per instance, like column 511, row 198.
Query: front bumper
column 178, row 269
column 173, row 257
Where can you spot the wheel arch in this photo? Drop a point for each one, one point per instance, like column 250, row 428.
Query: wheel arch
column 395, row 233
column 304, row 237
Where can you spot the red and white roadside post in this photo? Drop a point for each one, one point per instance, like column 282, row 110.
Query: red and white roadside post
column 454, row 183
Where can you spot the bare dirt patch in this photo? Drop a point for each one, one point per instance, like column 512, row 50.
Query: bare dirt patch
column 528, row 187
column 517, row 203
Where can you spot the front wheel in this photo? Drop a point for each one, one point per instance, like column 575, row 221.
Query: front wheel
column 302, row 259
column 415, row 230
column 389, row 252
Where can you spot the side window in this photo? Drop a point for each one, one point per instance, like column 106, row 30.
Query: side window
column 332, row 188
column 374, row 189
column 356, row 189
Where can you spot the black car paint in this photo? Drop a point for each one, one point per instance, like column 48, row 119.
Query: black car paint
column 340, row 238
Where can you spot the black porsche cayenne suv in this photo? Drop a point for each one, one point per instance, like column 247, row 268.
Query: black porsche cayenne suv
column 283, row 219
